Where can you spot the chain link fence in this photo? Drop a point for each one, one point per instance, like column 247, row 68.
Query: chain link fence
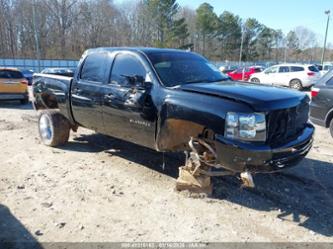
column 37, row 65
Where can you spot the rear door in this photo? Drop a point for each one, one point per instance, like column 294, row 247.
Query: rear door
column 270, row 75
column 12, row 81
column 87, row 91
column 237, row 74
column 297, row 72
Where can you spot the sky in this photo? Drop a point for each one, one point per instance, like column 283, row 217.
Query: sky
column 278, row 14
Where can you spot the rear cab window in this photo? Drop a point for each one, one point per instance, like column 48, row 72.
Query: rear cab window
column 94, row 68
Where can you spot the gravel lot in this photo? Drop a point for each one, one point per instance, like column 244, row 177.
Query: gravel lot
column 98, row 188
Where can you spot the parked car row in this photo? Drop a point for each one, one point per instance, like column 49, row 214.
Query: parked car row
column 290, row 75
column 296, row 76
column 14, row 82
column 244, row 73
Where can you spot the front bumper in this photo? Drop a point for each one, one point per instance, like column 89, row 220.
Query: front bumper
column 239, row 156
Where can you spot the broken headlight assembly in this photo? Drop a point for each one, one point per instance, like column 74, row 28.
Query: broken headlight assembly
column 245, row 126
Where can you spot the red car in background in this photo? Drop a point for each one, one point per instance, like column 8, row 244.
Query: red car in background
column 244, row 73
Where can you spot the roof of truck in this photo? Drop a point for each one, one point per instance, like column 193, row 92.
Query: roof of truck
column 146, row 50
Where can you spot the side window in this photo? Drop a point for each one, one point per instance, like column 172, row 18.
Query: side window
column 94, row 68
column 328, row 67
column 330, row 82
column 271, row 70
column 257, row 70
column 4, row 74
column 296, row 69
column 313, row 69
column 11, row 74
column 126, row 67
column 284, row 69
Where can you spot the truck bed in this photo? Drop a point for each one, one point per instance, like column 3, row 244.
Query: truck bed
column 52, row 91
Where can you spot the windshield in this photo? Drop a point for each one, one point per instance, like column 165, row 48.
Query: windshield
column 178, row 68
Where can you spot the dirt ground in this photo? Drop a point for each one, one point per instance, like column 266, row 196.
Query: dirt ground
column 101, row 189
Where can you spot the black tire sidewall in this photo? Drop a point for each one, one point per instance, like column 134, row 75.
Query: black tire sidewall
column 60, row 128
column 294, row 82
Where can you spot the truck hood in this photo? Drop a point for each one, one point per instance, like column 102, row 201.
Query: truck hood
column 261, row 98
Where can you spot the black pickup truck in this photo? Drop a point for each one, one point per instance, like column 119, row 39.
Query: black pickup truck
column 173, row 100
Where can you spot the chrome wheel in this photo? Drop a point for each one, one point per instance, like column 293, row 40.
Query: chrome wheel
column 45, row 128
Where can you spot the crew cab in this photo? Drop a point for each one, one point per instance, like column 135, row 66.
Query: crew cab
column 163, row 98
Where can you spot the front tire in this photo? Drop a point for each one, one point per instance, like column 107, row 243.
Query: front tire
column 296, row 84
column 255, row 80
column 53, row 128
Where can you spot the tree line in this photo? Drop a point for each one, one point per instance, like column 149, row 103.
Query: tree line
column 63, row 29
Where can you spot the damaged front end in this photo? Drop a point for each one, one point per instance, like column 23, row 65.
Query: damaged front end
column 288, row 139
column 196, row 175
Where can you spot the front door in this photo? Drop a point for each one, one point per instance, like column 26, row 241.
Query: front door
column 270, row 75
column 87, row 92
column 128, row 110
column 283, row 76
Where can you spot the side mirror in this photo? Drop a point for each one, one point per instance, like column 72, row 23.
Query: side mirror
column 139, row 80
column 134, row 80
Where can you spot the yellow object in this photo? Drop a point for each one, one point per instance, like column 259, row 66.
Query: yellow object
column 12, row 82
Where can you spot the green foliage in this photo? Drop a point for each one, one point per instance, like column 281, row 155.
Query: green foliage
column 292, row 40
column 265, row 43
column 206, row 23
column 207, row 20
column 229, row 33
column 251, row 29
column 169, row 30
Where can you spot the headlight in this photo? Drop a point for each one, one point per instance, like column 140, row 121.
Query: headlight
column 245, row 126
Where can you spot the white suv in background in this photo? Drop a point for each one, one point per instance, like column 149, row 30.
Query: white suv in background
column 291, row 75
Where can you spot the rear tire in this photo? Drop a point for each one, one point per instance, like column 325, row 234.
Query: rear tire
column 296, row 84
column 255, row 80
column 53, row 128
column 331, row 128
